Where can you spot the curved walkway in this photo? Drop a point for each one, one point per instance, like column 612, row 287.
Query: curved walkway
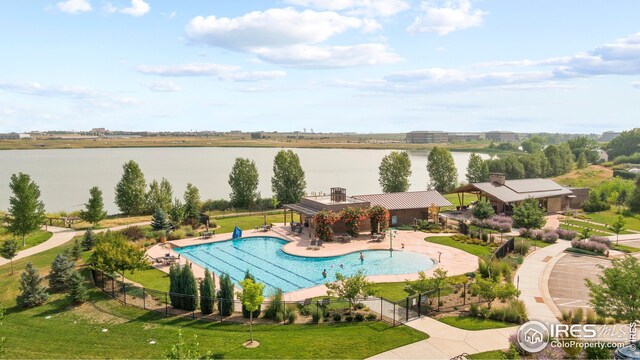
column 446, row 342
column 59, row 237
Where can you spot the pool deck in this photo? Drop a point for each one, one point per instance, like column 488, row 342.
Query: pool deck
column 455, row 261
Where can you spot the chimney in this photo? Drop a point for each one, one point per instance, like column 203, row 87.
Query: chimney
column 497, row 178
column 338, row 195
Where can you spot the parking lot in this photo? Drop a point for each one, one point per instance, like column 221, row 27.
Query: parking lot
column 566, row 282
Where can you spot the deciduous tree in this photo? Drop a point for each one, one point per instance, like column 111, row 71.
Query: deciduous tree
column 617, row 294
column 25, row 206
column 394, row 171
column 627, row 143
column 114, row 253
column 617, row 227
column 350, row 288
column 251, row 298
column 160, row 195
column 192, row 205
column 130, row 190
column 243, row 180
column 287, row 183
column 483, row 210
column 9, row 250
column 529, row 215
column 477, row 170
column 442, row 170
column 634, row 200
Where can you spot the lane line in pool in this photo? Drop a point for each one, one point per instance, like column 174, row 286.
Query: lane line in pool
column 276, row 265
column 203, row 262
column 265, row 270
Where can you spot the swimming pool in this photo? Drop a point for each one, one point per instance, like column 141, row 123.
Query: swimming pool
column 264, row 258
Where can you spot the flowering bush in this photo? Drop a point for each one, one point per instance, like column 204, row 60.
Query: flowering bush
column 590, row 246
column 566, row 234
column 351, row 217
column 499, row 223
column 379, row 215
column 550, row 237
column 324, row 221
column 601, row 239
column 524, row 232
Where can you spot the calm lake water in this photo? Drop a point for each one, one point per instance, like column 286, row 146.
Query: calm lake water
column 65, row 175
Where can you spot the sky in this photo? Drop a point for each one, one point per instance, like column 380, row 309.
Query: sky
column 568, row 66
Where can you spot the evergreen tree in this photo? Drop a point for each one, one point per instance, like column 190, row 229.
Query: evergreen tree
column 88, row 240
column 77, row 290
column 207, row 293
column 245, row 313
column 477, row 170
column 243, row 180
column 225, row 295
column 442, row 170
column 582, row 161
column 288, row 183
column 32, row 292
column 159, row 220
column 25, row 206
column 160, row 195
column 192, row 205
column 394, row 171
column 94, row 209
column 9, row 250
column 622, row 197
column 189, row 289
column 176, row 214
column 61, row 271
column 76, row 250
column 174, row 286
column 634, row 200
column 130, row 190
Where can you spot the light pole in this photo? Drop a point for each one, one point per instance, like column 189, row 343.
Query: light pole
column 391, row 233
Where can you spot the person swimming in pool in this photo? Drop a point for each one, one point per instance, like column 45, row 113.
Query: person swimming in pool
column 324, row 273
column 361, row 257
column 341, row 266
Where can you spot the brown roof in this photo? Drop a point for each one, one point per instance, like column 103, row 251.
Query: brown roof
column 406, row 200
column 518, row 190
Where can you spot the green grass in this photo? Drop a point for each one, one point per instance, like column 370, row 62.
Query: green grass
column 246, row 222
column 592, row 226
column 477, row 250
column 150, row 278
column 610, row 216
column 30, row 334
column 393, row 291
column 453, row 198
column 32, row 240
column 488, row 355
column 473, row 323
column 579, row 229
column 625, row 248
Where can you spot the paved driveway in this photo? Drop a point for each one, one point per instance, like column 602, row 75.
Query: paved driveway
column 566, row 282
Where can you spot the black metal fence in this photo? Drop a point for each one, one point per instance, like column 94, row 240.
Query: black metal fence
column 449, row 299
column 505, row 248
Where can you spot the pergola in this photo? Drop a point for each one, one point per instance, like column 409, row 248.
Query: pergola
column 303, row 211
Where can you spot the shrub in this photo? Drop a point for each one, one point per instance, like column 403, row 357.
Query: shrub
column 315, row 316
column 550, row 237
column 371, row 317
column 601, row 239
column 292, row 316
column 601, row 320
column 473, row 310
column 359, row 317
column 597, row 352
column 524, row 232
column 521, row 247
column 133, row 232
column 566, row 234
column 593, row 246
column 278, row 317
column 348, row 318
column 216, row 205
column 485, row 237
column 566, row 317
column 337, row 317
column 591, row 317
column 577, row 316
column 276, row 307
column 360, row 306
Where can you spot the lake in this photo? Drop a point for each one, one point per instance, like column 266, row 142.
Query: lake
column 66, row 175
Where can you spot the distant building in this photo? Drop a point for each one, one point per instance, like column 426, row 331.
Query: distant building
column 501, row 136
column 609, row 135
column 14, row 136
column 462, row 137
column 602, row 156
column 99, row 131
column 427, row 137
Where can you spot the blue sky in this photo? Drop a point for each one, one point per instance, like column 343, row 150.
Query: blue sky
column 330, row 65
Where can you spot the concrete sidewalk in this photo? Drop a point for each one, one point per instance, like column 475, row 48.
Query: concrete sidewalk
column 446, row 342
column 59, row 237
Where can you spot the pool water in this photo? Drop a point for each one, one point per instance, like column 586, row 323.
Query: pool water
column 264, row 258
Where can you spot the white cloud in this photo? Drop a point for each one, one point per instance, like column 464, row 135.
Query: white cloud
column 447, row 17
column 372, row 8
column 74, row 6
column 273, row 27
column 292, row 38
column 309, row 56
column 222, row 72
column 137, row 8
column 636, row 84
column 163, row 86
column 83, row 95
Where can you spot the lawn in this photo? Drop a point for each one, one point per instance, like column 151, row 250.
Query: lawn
column 477, row 250
column 488, row 355
column 30, row 333
column 112, row 221
column 473, row 323
column 624, row 248
column 579, row 230
column 32, row 240
column 150, row 279
column 590, row 225
column 245, row 222
column 393, row 291
column 610, row 216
